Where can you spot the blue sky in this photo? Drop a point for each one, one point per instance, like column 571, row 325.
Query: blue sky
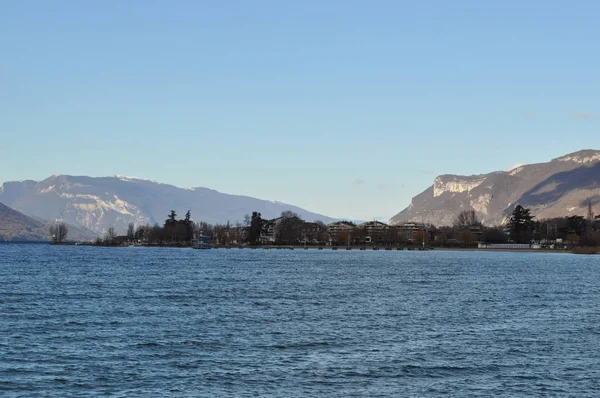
column 341, row 107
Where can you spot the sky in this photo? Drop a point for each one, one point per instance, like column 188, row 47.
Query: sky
column 345, row 108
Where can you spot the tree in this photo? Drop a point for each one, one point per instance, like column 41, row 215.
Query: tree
column 288, row 228
column 155, row 234
column 181, row 232
column 466, row 238
column 322, row 232
column 342, row 237
column 256, row 227
column 110, row 234
column 188, row 227
column 520, row 225
column 359, row 235
column 494, row 235
column 554, row 228
column 441, row 237
column 141, row 232
column 238, row 232
column 58, row 232
column 171, row 218
column 203, row 229
column 289, row 214
column 224, row 234
column 573, row 239
column 589, row 231
column 421, row 236
column 170, row 228
column 391, row 236
column 131, row 231
column 576, row 225
column 591, row 239
column 466, row 219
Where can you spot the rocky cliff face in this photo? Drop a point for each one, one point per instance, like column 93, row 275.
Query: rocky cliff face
column 100, row 203
column 558, row 188
column 455, row 184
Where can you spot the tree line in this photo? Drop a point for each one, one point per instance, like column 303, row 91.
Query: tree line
column 290, row 229
column 172, row 232
column 521, row 227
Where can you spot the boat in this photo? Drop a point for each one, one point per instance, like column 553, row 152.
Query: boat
column 202, row 244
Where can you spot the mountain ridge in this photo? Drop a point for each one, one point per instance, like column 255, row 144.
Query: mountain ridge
column 15, row 226
column 98, row 203
column 559, row 187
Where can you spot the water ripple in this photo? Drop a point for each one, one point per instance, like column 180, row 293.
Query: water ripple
column 98, row 321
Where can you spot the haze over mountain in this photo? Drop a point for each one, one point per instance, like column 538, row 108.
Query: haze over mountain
column 98, row 203
column 15, row 226
column 561, row 187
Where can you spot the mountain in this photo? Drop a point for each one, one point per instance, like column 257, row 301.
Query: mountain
column 103, row 202
column 15, row 226
column 561, row 187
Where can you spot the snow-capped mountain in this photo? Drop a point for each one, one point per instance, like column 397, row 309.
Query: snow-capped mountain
column 98, row 203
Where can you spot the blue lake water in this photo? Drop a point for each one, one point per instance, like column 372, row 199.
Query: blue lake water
column 84, row 321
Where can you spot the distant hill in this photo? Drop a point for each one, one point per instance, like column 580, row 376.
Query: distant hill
column 100, row 203
column 561, row 187
column 15, row 226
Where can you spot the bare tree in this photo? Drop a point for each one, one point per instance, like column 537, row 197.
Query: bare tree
column 203, row 228
column 110, row 234
column 466, row 219
column 131, row 231
column 289, row 214
column 58, row 232
column 288, row 228
column 322, row 232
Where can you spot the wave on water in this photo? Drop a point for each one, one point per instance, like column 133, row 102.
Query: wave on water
column 241, row 323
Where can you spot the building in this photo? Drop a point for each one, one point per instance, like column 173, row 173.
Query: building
column 292, row 231
column 373, row 226
column 311, row 232
column 340, row 231
column 240, row 234
column 375, row 230
column 409, row 229
column 340, row 226
column 267, row 236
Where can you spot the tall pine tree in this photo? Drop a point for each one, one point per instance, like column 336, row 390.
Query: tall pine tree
column 256, row 227
column 521, row 225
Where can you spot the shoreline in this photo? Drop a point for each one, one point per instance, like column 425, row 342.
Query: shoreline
column 335, row 248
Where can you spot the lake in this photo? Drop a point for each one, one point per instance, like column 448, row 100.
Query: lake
column 85, row 321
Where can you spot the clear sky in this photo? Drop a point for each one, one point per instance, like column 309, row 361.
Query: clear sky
column 347, row 108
